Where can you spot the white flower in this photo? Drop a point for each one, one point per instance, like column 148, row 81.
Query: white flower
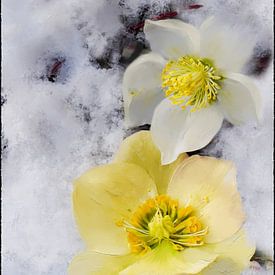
column 188, row 84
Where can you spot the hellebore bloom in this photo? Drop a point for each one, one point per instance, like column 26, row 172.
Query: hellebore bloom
column 188, row 84
column 139, row 217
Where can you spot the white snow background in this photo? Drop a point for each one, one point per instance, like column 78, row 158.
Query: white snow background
column 53, row 131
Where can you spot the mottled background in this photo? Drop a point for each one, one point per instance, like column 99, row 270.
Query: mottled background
column 62, row 110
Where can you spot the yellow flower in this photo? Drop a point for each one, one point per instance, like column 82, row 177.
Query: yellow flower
column 139, row 217
column 190, row 81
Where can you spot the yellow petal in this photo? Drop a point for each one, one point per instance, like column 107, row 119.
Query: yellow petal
column 209, row 185
column 92, row 263
column 164, row 260
column 234, row 255
column 140, row 150
column 221, row 267
column 105, row 195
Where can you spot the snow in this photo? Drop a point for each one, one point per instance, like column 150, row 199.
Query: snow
column 53, row 131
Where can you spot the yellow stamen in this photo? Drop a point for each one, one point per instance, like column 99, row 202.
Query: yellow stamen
column 191, row 81
column 161, row 218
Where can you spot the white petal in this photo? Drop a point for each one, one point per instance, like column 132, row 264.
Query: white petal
column 142, row 88
column 240, row 99
column 225, row 45
column 172, row 38
column 175, row 130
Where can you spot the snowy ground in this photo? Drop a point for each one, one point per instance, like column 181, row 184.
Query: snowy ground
column 62, row 113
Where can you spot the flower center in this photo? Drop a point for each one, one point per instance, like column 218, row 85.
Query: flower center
column 191, row 81
column 160, row 219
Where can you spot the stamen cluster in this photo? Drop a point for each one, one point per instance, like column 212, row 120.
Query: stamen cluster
column 161, row 219
column 191, row 81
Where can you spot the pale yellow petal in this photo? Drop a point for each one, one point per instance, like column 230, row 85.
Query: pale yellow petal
column 234, row 255
column 209, row 185
column 92, row 263
column 139, row 149
column 102, row 197
column 221, row 267
column 164, row 260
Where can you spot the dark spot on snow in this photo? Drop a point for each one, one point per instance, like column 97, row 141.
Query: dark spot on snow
column 130, row 50
column 4, row 146
column 262, row 259
column 226, row 124
column 130, row 131
column 54, row 69
column 122, row 49
column 84, row 113
column 3, row 99
column 260, row 61
column 115, row 117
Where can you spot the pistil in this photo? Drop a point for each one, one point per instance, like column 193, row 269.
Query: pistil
column 159, row 219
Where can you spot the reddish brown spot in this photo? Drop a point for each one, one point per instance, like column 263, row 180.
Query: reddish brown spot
column 194, row 7
column 55, row 69
column 137, row 27
column 165, row 15
column 161, row 16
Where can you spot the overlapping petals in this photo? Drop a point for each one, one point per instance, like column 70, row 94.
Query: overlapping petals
column 140, row 149
column 174, row 130
column 102, row 196
column 105, row 195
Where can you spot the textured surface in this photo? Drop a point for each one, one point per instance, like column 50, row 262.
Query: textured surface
column 62, row 113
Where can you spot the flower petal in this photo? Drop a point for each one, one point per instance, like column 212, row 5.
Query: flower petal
column 164, row 260
column 175, row 130
column 209, row 185
column 172, row 38
column 221, row 267
column 102, row 197
column 142, row 88
column 234, row 255
column 90, row 262
column 240, row 99
column 225, row 45
column 139, row 149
